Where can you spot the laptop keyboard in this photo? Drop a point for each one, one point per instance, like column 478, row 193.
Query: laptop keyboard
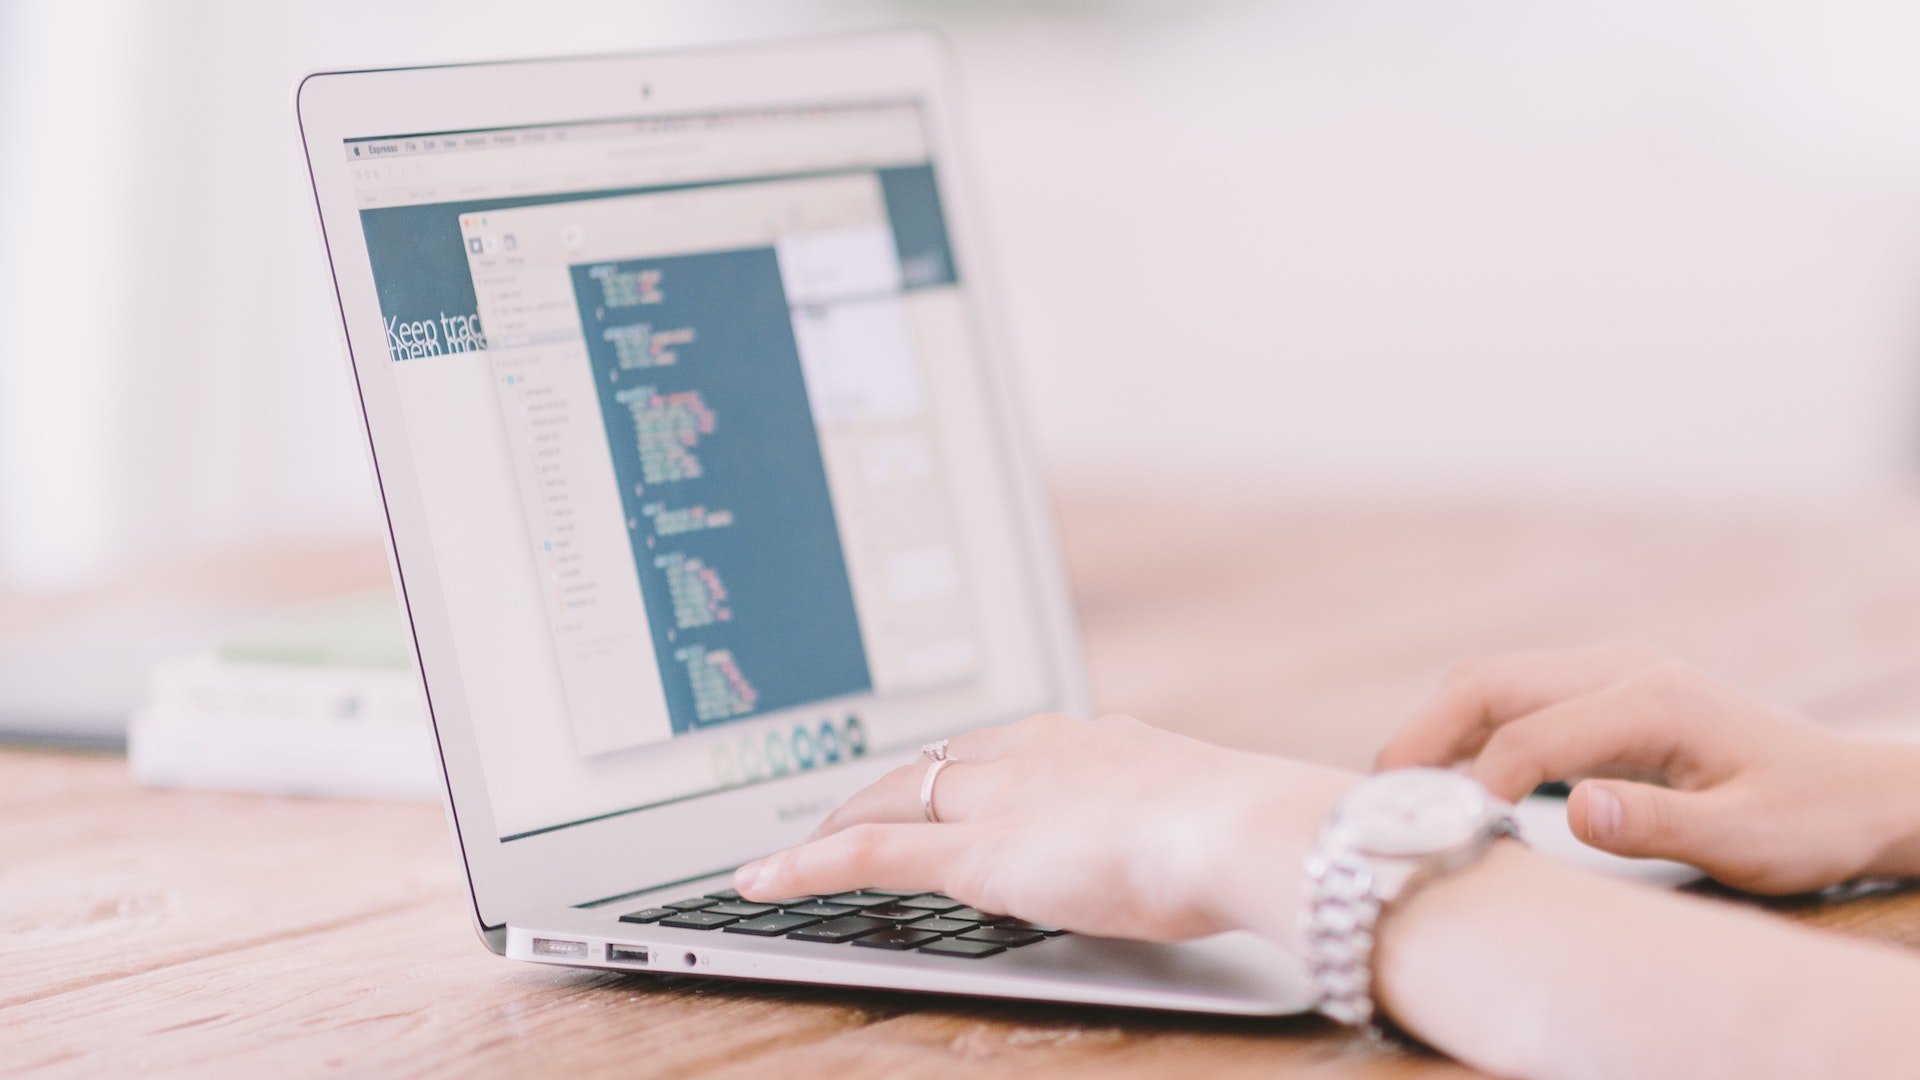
column 870, row 918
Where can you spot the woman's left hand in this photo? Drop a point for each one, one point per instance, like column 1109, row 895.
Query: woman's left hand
column 1107, row 827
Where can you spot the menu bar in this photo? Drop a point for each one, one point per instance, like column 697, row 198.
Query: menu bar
column 631, row 153
column 449, row 142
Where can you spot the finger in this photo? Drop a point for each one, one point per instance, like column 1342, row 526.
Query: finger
column 1639, row 820
column 1620, row 727
column 865, row 856
column 1478, row 696
column 895, row 797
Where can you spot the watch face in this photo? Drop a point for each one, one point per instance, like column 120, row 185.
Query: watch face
column 1411, row 812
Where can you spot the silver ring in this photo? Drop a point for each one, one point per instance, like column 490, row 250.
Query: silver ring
column 934, row 768
column 935, row 751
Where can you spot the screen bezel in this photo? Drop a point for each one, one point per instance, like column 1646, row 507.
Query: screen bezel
column 700, row 836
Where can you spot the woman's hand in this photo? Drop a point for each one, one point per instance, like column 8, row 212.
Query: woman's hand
column 1107, row 827
column 1688, row 768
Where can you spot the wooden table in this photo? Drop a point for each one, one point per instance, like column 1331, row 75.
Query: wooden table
column 164, row 932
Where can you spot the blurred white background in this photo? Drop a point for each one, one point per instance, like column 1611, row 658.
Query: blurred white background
column 1641, row 251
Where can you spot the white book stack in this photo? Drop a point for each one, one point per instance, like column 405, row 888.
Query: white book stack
column 322, row 702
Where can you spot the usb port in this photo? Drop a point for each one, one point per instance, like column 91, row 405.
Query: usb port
column 626, row 954
column 576, row 950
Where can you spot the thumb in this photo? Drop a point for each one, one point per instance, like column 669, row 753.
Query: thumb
column 1638, row 820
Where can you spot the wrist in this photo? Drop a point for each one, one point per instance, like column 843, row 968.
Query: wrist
column 1889, row 800
column 1261, row 868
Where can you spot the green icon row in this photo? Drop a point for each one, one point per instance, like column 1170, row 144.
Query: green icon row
column 779, row 753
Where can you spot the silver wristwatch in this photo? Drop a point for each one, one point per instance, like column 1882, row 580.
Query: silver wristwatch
column 1391, row 834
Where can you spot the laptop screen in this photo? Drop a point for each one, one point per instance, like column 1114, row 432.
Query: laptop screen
column 714, row 486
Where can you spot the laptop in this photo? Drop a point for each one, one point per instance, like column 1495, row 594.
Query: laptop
column 707, row 498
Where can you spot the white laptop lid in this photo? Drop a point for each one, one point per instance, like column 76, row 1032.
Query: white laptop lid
column 705, row 494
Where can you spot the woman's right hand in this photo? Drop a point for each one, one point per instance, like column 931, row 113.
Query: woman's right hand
column 1678, row 766
column 1106, row 827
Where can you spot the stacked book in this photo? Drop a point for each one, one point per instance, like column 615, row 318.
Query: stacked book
column 322, row 701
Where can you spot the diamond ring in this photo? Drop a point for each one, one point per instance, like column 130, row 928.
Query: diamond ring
column 937, row 762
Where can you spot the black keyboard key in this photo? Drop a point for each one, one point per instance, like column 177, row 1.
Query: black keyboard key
column 691, row 903
column 699, row 920
column 897, row 939
column 741, row 909
column 1001, row 935
column 772, row 925
column 895, row 893
column 820, row 909
column 953, row 946
column 845, row 928
column 931, row 902
column 652, row 914
column 941, row 925
column 724, row 894
column 1022, row 924
column 894, row 913
column 859, row 899
column 973, row 915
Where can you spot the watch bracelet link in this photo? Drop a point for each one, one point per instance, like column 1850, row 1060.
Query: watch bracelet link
column 1340, row 917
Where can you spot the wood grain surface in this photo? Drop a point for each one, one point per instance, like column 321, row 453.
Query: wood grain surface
column 167, row 933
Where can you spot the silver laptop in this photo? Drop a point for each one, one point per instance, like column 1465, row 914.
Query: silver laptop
column 707, row 499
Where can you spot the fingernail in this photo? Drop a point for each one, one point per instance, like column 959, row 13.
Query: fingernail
column 1603, row 813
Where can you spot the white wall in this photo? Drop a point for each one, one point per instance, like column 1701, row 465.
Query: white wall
column 1640, row 249
column 1622, row 250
